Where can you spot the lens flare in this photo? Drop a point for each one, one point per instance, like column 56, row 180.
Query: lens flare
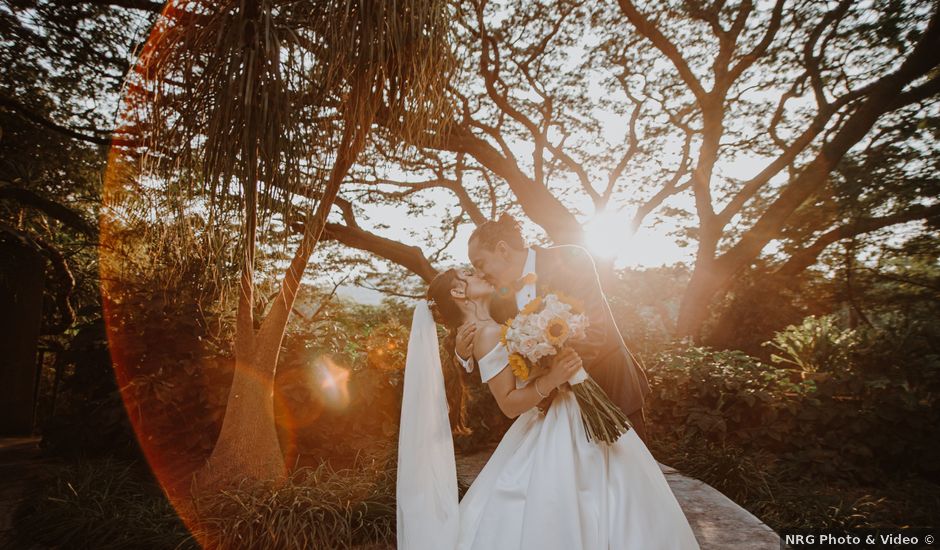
column 334, row 383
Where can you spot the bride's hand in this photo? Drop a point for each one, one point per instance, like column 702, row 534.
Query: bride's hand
column 465, row 334
column 566, row 363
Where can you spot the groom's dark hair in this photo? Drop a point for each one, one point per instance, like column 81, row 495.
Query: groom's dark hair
column 506, row 228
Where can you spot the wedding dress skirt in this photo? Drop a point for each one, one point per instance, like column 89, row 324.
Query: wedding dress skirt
column 546, row 487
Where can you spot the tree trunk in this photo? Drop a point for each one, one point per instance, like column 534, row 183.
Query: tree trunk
column 248, row 444
column 696, row 301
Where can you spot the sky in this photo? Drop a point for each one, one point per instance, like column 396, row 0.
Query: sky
column 607, row 236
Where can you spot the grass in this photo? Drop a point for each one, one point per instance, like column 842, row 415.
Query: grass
column 102, row 504
column 109, row 504
column 317, row 508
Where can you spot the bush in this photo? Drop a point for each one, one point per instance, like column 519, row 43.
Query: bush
column 316, row 508
column 815, row 345
column 109, row 504
column 844, row 426
column 723, row 396
column 742, row 475
column 100, row 504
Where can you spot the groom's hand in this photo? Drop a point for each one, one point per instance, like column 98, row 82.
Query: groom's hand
column 547, row 402
column 465, row 335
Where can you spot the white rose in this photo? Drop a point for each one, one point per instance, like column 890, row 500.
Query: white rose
column 544, row 319
column 544, row 349
column 554, row 308
column 578, row 325
column 527, row 346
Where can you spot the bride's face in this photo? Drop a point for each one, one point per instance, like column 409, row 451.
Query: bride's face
column 470, row 285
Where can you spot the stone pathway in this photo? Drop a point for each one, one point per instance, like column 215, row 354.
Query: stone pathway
column 718, row 523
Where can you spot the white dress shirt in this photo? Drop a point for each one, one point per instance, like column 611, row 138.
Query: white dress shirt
column 525, row 295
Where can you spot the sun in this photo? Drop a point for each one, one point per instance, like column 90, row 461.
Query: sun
column 608, row 234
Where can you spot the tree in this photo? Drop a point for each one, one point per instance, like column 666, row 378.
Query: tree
column 51, row 157
column 570, row 109
column 238, row 108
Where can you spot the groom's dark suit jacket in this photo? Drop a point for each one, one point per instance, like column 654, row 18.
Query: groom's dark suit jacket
column 570, row 270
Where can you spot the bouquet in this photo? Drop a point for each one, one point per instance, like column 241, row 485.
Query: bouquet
column 541, row 330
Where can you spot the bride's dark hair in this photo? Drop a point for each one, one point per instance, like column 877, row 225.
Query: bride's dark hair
column 446, row 312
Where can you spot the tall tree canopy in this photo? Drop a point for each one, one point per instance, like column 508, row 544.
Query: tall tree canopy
column 769, row 130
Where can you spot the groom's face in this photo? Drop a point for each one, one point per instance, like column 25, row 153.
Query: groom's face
column 495, row 264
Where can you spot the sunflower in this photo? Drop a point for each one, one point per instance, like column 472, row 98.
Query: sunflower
column 556, row 331
column 532, row 306
column 519, row 366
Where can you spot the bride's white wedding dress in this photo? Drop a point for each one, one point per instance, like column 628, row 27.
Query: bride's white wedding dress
column 546, row 487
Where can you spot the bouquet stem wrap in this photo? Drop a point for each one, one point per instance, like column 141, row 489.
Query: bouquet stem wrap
column 603, row 420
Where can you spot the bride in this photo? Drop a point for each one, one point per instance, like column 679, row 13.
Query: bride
column 545, row 486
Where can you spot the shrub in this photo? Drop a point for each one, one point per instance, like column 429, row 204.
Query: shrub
column 815, row 345
column 848, row 426
column 723, row 396
column 316, row 508
column 100, row 504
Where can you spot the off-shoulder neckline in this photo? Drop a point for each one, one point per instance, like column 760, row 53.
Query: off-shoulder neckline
column 496, row 347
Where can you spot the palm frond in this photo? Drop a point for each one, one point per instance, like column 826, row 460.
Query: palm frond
column 250, row 98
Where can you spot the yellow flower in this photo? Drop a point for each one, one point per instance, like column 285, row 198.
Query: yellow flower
column 532, row 306
column 556, row 331
column 519, row 366
column 530, row 279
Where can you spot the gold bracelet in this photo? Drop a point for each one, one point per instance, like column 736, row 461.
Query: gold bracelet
column 537, row 390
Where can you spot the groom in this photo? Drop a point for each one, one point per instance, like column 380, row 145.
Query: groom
column 498, row 251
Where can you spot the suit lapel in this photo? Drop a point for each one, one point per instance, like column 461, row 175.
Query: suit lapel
column 544, row 270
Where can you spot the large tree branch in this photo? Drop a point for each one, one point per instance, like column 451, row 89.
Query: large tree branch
column 351, row 234
column 670, row 188
column 24, row 112
column 409, row 188
column 411, row 258
column 818, row 124
column 879, row 100
column 538, row 203
column 923, row 92
column 490, row 66
column 727, row 41
column 807, row 256
column 760, row 49
column 648, row 29
column 50, row 208
column 789, row 154
column 633, row 148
